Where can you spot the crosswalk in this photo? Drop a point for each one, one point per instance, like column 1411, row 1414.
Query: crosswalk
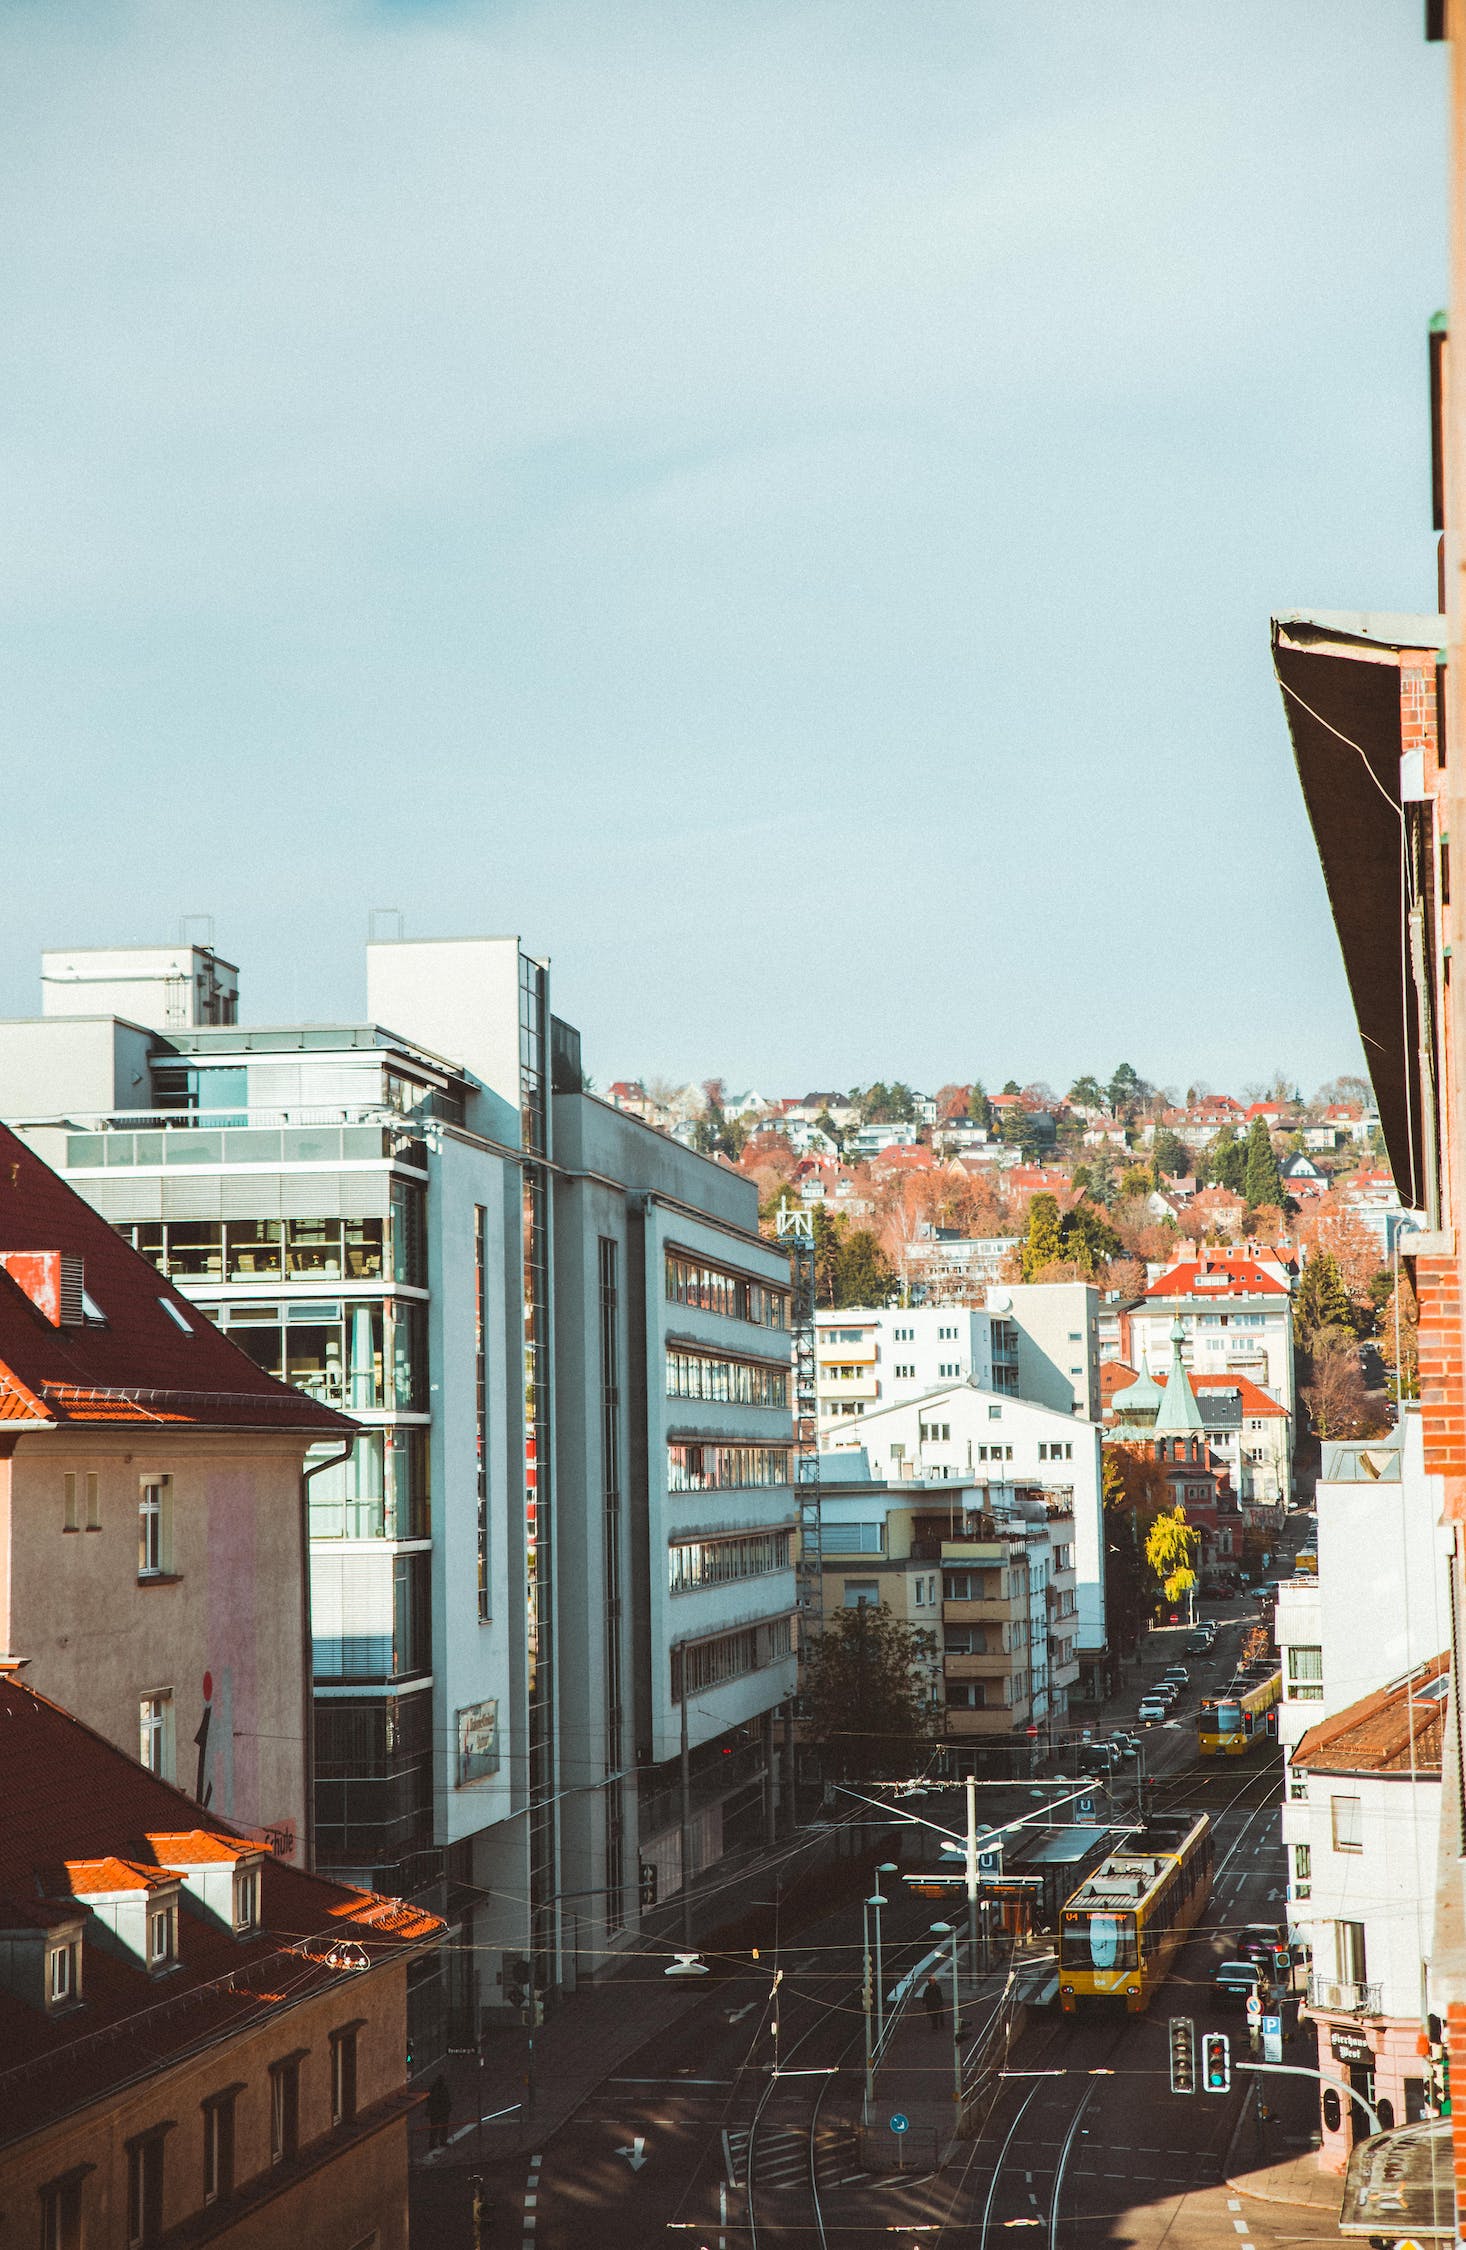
column 781, row 2157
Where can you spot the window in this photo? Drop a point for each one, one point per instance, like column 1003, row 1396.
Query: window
column 1297, row 1786
column 717, row 1289
column 246, row 1898
column 936, row 1433
column 163, row 1935
column 995, row 1414
column 737, row 1382
column 966, row 1695
column 70, row 1520
column 285, row 2109
column 155, row 1733
column 343, row 2074
column 481, row 1401
column 1348, row 1823
column 853, row 1538
column 1305, row 1674
column 695, row 1467
column 700, row 1665
column 1302, row 1870
column 152, row 1528
column 94, row 1500
column 219, row 2145
column 965, row 1640
column 380, row 1491
column 695, row 1563
column 63, row 1974
column 144, row 2190
column 176, row 1315
column 61, row 2211
column 862, row 1593
column 904, row 1374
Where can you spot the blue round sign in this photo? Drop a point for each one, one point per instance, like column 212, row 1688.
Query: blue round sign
column 900, row 2123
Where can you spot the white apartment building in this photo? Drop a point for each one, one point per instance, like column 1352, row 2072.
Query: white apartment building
column 967, row 1434
column 1362, row 1830
column 1377, row 1607
column 1237, row 1317
column 1038, row 1341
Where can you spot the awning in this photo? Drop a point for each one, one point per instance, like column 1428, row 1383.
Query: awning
column 1340, row 677
column 1402, row 2183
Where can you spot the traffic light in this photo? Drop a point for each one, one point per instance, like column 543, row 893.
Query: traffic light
column 1216, row 2062
column 1183, row 2055
column 648, row 1883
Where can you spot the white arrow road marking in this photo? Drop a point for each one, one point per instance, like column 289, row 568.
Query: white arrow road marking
column 636, row 2154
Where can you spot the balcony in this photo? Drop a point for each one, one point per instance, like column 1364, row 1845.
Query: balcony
column 302, row 1136
column 999, row 1610
column 985, row 1664
column 1339, row 1997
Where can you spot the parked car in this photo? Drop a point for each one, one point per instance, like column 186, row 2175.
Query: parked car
column 1266, row 1943
column 1236, row 1982
column 1178, row 1673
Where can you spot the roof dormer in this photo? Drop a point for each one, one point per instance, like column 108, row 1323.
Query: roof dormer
column 221, row 1874
column 134, row 1904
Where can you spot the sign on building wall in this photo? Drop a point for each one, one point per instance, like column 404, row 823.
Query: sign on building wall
column 478, row 1741
column 1350, row 2047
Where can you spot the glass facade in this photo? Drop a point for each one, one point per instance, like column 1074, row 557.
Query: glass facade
column 609, row 1263
column 381, row 1490
column 538, row 1499
column 726, row 1382
column 720, row 1289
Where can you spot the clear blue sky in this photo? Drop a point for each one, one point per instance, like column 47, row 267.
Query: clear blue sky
column 778, row 502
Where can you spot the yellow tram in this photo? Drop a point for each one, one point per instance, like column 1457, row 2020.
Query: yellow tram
column 1120, row 1930
column 1228, row 1724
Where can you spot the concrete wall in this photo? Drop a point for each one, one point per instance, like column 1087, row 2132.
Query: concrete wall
column 76, row 1066
column 224, row 1628
column 1382, row 1576
column 460, row 997
column 1058, row 1342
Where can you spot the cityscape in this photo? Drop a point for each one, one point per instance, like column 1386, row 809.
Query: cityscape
column 707, row 1656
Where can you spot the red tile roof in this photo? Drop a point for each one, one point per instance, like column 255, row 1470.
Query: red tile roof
column 1255, row 1400
column 1234, row 1277
column 142, row 1366
column 1399, row 1730
column 80, row 1811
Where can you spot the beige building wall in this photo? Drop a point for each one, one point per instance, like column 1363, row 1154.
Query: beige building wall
column 222, row 1630
column 347, row 2185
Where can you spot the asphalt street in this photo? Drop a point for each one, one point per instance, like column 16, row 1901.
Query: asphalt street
column 698, row 2140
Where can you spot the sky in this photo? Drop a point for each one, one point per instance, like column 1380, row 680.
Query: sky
column 778, row 502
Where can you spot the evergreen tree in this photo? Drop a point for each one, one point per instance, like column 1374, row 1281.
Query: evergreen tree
column 1261, row 1182
column 1043, row 1243
column 979, row 1108
column 1088, row 1238
column 862, row 1273
column 1171, row 1155
column 1226, row 1162
column 1087, row 1092
column 1322, row 1301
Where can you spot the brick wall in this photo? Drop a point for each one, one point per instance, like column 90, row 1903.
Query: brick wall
column 1442, row 1366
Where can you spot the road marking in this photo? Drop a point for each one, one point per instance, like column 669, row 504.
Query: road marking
column 1234, row 2203
column 530, row 2201
column 635, row 2155
column 1241, row 2225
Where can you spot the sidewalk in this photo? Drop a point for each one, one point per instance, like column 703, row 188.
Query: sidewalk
column 916, row 2077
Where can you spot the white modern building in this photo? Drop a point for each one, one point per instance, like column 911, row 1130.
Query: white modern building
column 964, row 1433
column 1038, row 1341
column 553, row 1327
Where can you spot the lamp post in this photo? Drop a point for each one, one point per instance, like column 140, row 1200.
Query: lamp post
column 887, row 1867
column 865, row 1908
column 945, row 1930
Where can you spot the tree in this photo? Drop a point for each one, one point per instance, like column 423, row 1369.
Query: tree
column 867, row 1687
column 1086, row 1093
column 1338, row 1404
column 979, row 1108
column 1172, row 1157
column 1088, row 1238
column 825, row 1124
column 1322, row 1302
column 1127, row 1090
column 1043, row 1241
column 1260, row 1179
column 1356, row 1091
column 863, row 1274
column 1225, row 1162
column 1133, row 1490
column 1170, row 1548
column 1011, row 1086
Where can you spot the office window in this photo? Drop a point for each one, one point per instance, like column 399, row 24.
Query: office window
column 219, row 2146
column 736, row 1382
column 61, row 2211
column 695, row 1563
column 155, row 1733
column 1348, row 1823
column 696, row 1467
column 1305, row 1674
column 481, row 1401
column 284, row 2109
column 144, row 2190
column 343, row 2074
column 153, row 1528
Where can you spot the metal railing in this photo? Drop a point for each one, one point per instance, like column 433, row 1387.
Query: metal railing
column 1341, row 1997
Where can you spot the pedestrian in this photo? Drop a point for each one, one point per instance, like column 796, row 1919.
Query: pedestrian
column 936, row 2002
column 440, row 2109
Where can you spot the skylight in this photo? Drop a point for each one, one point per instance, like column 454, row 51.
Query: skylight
column 176, row 1316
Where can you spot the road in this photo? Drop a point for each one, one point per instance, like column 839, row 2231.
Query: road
column 696, row 2142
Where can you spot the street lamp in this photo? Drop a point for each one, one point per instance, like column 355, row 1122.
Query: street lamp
column 887, row 1867
column 945, row 1930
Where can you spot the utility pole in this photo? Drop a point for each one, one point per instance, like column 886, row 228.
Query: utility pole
column 971, row 1863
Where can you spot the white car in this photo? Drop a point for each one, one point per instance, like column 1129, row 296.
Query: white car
column 1154, row 1708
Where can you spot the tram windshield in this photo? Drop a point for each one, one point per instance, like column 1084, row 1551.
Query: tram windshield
column 1099, row 1941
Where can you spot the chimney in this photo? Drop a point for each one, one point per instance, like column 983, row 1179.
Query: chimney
column 52, row 1279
